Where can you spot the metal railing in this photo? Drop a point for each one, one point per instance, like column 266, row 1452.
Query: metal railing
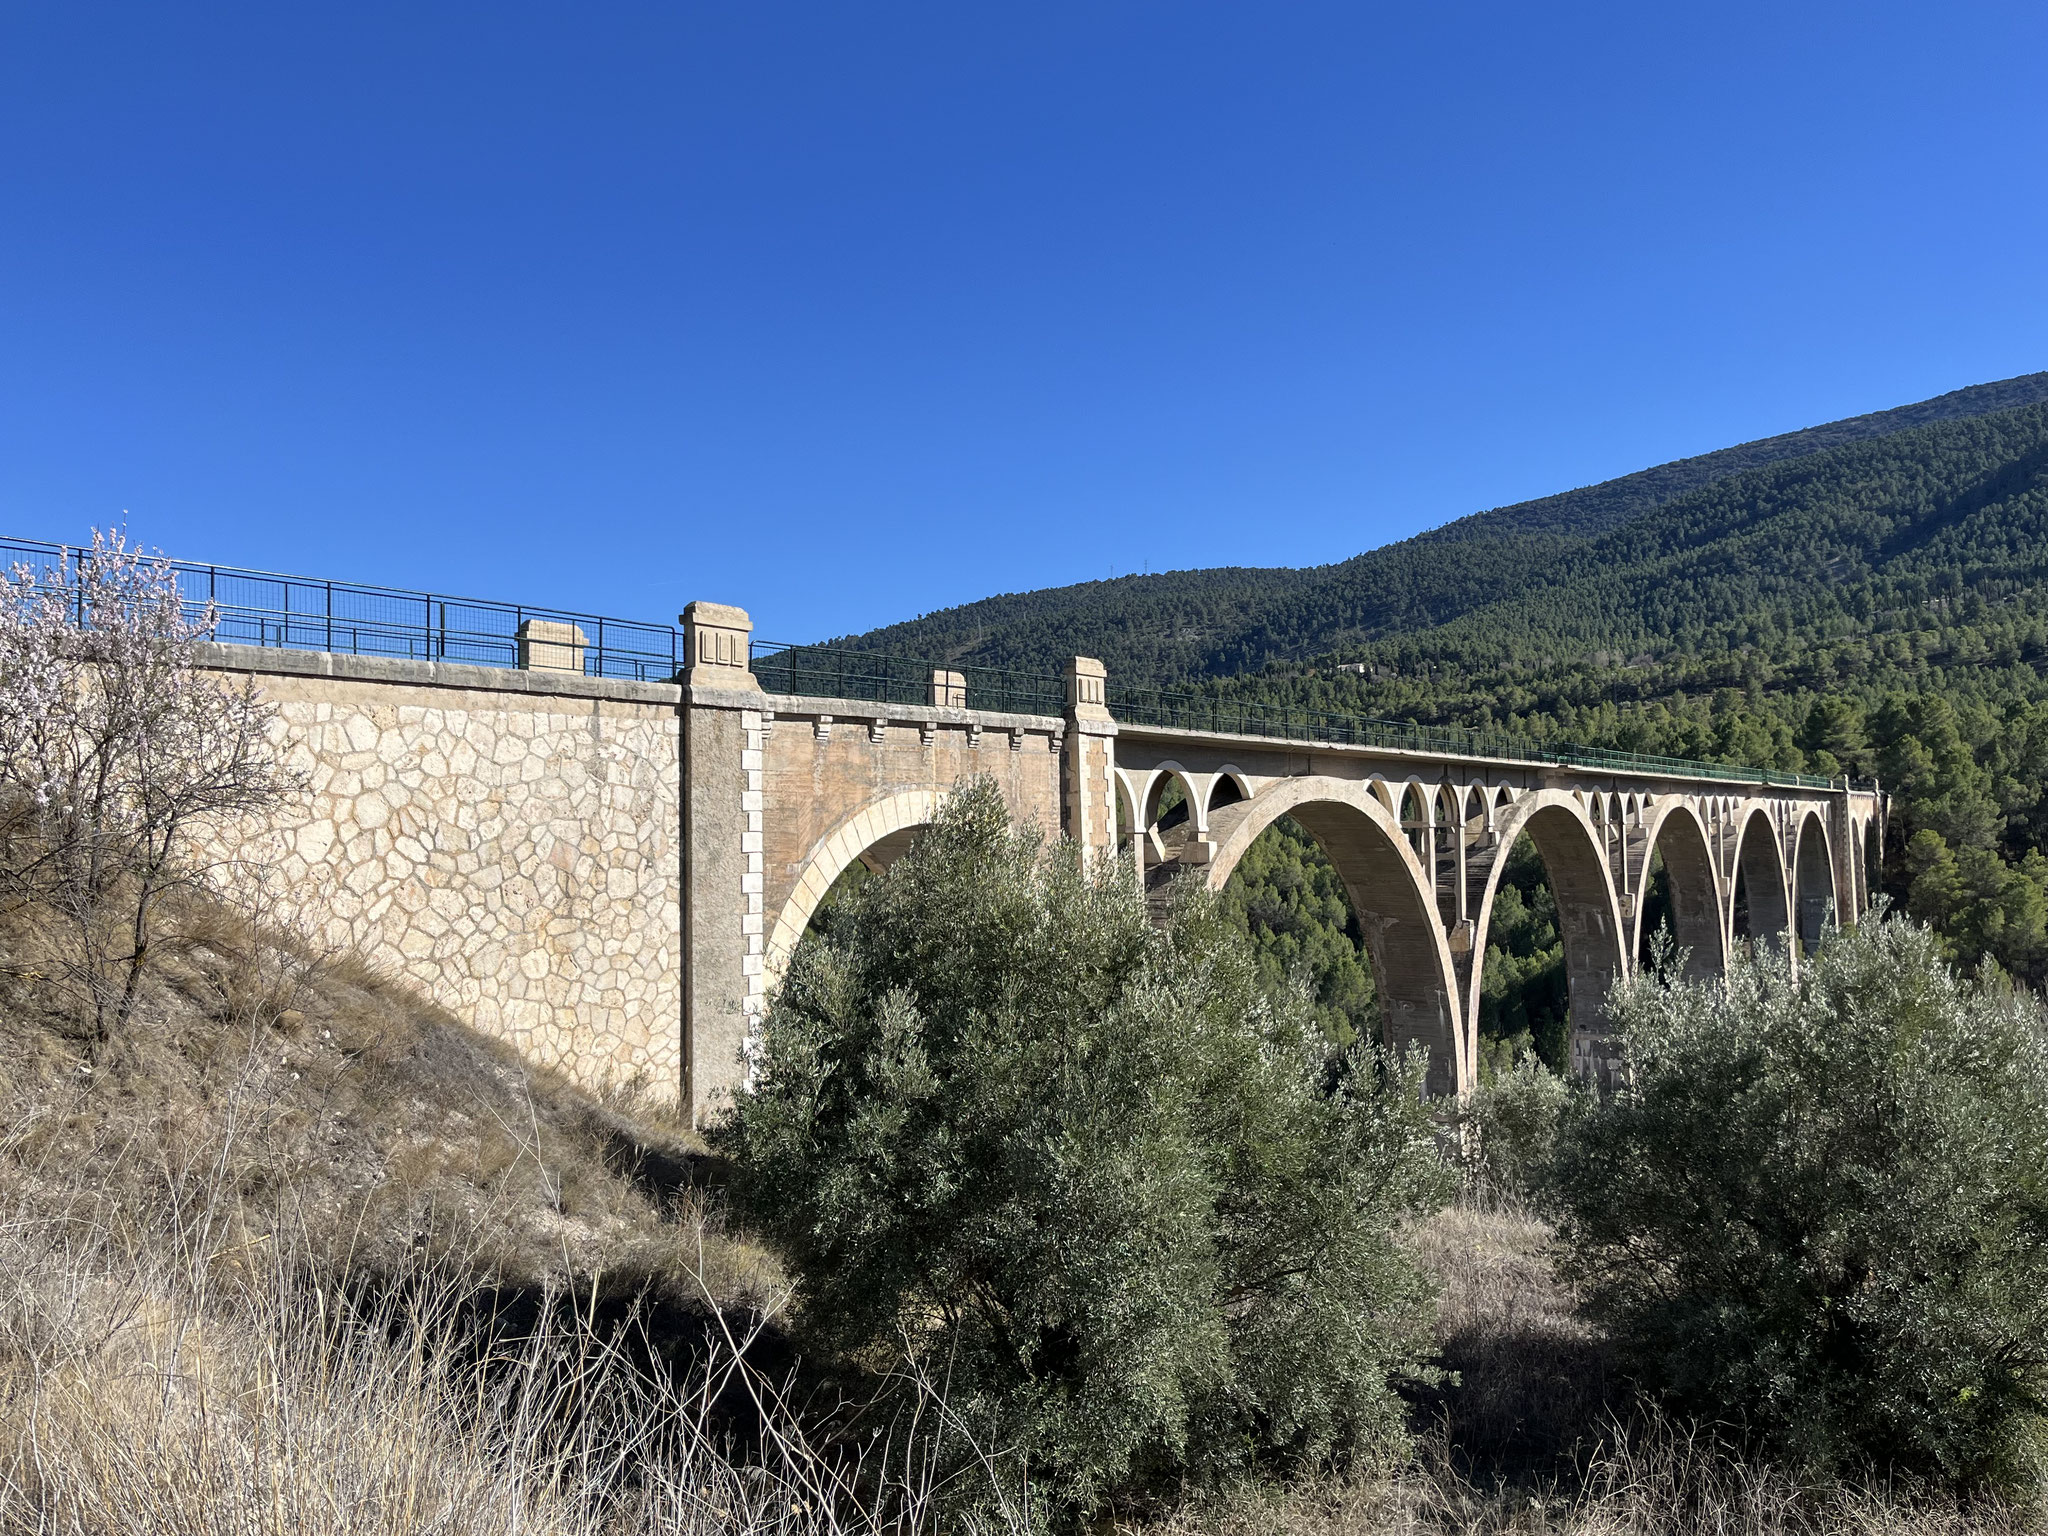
column 1194, row 712
column 307, row 613
column 826, row 672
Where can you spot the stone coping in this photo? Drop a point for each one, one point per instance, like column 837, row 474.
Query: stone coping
column 269, row 661
column 793, row 705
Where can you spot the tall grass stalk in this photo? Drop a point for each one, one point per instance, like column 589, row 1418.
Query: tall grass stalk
column 208, row 1381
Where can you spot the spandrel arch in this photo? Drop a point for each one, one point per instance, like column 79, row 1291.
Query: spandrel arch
column 1228, row 787
column 1391, row 892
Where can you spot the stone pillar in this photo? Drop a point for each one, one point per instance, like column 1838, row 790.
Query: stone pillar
column 723, row 936
column 551, row 645
column 949, row 690
column 1088, row 784
column 1847, row 856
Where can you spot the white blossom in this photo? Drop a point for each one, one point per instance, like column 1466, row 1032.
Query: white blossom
column 115, row 751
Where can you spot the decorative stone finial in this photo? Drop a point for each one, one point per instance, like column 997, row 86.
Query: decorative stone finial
column 716, row 637
column 949, row 690
column 1087, row 685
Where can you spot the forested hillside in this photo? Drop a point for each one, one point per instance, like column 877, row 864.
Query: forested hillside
column 1186, row 625
column 1879, row 608
column 1869, row 597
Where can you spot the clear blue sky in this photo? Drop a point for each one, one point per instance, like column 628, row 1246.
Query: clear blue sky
column 848, row 312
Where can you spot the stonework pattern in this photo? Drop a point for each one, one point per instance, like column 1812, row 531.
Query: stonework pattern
column 513, row 855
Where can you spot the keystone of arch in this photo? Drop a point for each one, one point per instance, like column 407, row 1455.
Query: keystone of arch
column 1391, row 890
column 847, row 841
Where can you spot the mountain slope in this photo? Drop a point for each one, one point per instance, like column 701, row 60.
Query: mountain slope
column 1187, row 625
column 1868, row 597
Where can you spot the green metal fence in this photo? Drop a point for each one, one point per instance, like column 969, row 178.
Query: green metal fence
column 1193, row 712
column 311, row 613
column 827, row 672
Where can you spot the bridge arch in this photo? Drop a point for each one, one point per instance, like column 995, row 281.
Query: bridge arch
column 1760, row 873
column 1383, row 790
column 1698, row 925
column 1814, row 901
column 1573, row 849
column 879, row 832
column 1394, row 898
column 1227, row 786
column 1155, row 786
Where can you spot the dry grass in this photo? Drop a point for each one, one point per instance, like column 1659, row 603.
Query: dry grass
column 302, row 1254
column 1534, row 1381
column 200, row 1387
column 263, row 1082
column 1656, row 1481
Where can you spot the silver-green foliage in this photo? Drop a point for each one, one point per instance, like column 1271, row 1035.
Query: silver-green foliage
column 1136, row 1215
column 1818, row 1210
column 1512, row 1123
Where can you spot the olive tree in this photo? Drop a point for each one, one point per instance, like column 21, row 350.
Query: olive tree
column 1137, row 1216
column 1817, row 1209
column 116, row 754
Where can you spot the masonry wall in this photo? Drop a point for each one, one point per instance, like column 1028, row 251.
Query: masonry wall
column 506, row 841
column 818, row 771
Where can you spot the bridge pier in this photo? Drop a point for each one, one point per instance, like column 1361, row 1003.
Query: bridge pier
column 723, row 837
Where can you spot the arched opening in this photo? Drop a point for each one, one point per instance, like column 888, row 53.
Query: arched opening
column 1563, row 865
column 1387, row 887
column 1415, row 821
column 1127, row 825
column 1300, row 926
column 1166, row 824
column 861, row 846
column 1445, row 846
column 1813, row 883
column 867, row 864
column 1524, row 1001
column 1167, row 803
column 1759, row 882
column 1384, row 792
column 1680, row 896
column 1227, row 790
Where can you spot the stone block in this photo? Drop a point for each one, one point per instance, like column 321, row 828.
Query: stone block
column 551, row 645
column 717, row 640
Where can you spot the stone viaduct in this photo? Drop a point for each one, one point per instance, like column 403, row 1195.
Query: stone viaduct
column 612, row 874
